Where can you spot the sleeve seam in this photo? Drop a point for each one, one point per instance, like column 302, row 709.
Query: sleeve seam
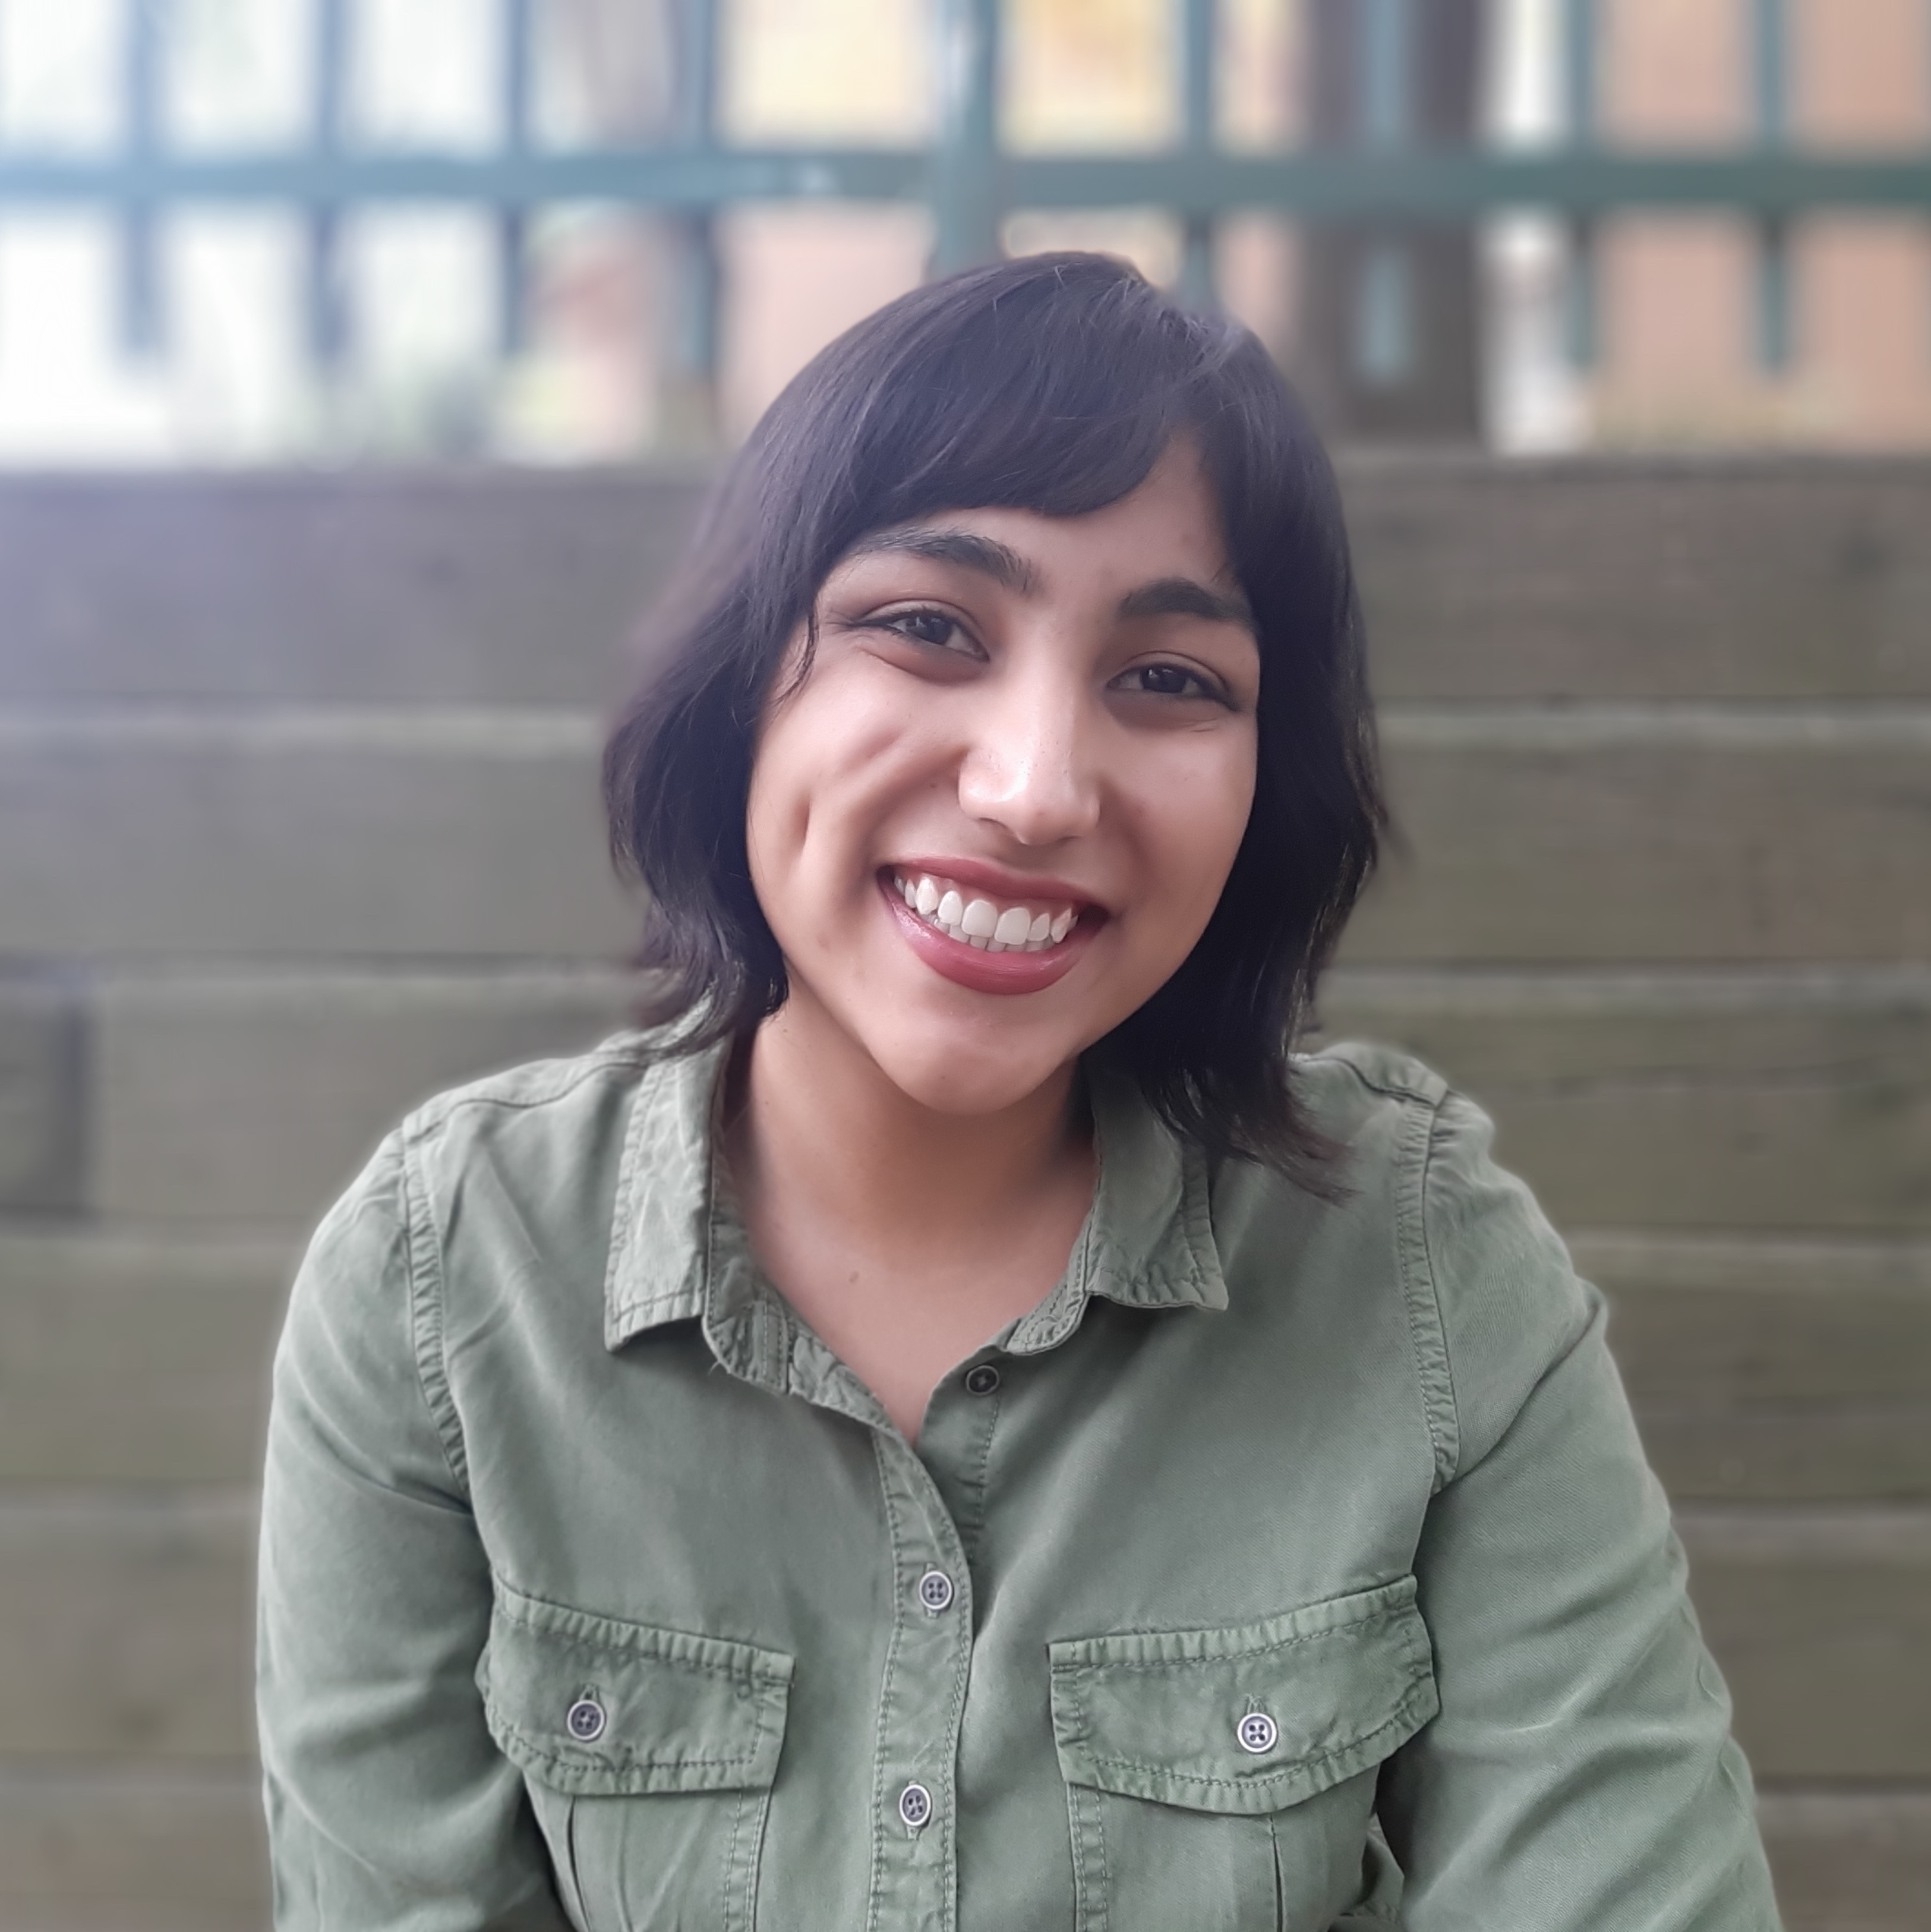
column 1427, row 1326
column 424, row 1254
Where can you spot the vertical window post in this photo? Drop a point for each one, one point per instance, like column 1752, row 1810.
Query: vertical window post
column 1390, row 329
column 690, row 385
column 515, row 45
column 965, row 188
column 1200, row 34
column 143, row 322
column 327, row 310
column 1771, row 46
column 1581, row 53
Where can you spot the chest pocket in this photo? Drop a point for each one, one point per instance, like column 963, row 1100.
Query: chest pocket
column 648, row 1754
column 1223, row 1779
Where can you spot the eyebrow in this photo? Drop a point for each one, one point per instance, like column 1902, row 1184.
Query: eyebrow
column 1164, row 597
column 1183, row 597
column 998, row 561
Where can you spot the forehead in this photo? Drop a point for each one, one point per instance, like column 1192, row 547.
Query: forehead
column 1169, row 524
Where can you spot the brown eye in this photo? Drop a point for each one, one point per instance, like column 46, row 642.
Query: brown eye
column 1168, row 680
column 925, row 627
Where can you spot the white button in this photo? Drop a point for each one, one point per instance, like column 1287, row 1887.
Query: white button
column 1257, row 1732
column 935, row 1591
column 585, row 1719
column 915, row 1807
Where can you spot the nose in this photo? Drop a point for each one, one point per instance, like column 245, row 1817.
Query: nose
column 1031, row 767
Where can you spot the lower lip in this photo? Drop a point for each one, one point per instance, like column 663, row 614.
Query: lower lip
column 985, row 972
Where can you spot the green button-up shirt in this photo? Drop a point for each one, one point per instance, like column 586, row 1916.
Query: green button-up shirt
column 1292, row 1565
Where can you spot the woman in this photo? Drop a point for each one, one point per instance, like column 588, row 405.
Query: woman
column 960, row 1426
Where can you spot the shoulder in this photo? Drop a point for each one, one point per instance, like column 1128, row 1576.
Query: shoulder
column 544, row 1118
column 1493, row 1298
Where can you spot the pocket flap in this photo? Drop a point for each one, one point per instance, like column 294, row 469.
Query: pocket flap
column 1331, row 1689
column 594, row 1705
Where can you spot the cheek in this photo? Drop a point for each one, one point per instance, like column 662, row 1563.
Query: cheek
column 1194, row 813
column 828, row 769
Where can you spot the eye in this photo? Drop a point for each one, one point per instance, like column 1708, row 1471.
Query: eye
column 1168, row 680
column 925, row 627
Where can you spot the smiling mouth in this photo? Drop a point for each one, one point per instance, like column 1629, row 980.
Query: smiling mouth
column 986, row 924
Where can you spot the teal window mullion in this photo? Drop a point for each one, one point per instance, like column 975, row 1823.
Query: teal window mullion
column 516, row 52
column 1199, row 32
column 143, row 319
column 1580, row 55
column 324, row 307
column 1770, row 46
column 966, row 208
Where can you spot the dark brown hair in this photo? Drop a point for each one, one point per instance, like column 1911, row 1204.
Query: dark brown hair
column 1051, row 384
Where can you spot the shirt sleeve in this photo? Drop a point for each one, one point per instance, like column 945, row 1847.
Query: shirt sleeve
column 389, row 1806
column 1581, row 1776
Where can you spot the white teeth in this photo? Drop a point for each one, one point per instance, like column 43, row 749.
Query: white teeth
column 980, row 922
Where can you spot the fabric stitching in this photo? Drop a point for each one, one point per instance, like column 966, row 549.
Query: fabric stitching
column 1111, row 1665
column 626, row 1200
column 974, row 1527
column 423, row 1255
column 434, row 1114
column 1315, row 1763
column 1383, row 1613
column 1427, row 1336
column 618, row 1758
column 760, row 1664
column 886, row 1679
column 955, row 1718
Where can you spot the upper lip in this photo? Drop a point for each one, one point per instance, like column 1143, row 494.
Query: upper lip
column 1001, row 882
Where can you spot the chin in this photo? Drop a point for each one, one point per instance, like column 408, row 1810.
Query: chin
column 965, row 1076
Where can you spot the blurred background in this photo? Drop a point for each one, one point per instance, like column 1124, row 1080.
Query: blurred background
column 360, row 363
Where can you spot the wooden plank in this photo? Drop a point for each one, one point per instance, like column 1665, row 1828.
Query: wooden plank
column 1684, row 1100
column 135, row 1356
column 487, row 585
column 1819, row 1619
column 1593, row 577
column 1534, row 835
column 303, row 832
column 1793, row 1370
column 129, row 1625
column 1653, row 834
column 177, row 1848
column 1849, row 1862
column 43, row 1058
column 1759, row 1369
column 1764, row 1323
column 1848, row 1452
column 1666, row 577
column 256, row 1097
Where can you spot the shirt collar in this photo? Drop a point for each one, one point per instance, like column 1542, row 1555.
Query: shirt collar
column 679, row 1252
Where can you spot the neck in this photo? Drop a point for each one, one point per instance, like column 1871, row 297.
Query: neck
column 820, row 1113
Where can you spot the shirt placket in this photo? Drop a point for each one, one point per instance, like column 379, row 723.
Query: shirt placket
column 921, row 1699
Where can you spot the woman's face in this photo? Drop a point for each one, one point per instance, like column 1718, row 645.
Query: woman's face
column 996, row 815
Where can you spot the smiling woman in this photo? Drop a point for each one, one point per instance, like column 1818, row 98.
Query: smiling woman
column 957, row 1423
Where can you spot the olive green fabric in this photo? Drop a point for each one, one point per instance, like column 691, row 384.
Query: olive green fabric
column 1292, row 1565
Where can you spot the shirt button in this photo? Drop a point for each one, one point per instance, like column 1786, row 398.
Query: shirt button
column 585, row 1719
column 1257, row 1732
column 935, row 1591
column 981, row 1379
column 915, row 1807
